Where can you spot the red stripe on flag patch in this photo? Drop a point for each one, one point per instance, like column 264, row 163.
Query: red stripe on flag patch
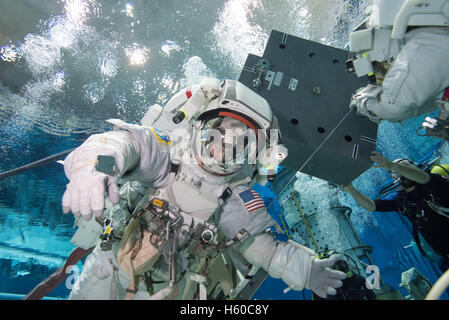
column 446, row 95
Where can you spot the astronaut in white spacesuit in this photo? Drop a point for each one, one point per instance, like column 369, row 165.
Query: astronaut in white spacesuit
column 403, row 48
column 185, row 211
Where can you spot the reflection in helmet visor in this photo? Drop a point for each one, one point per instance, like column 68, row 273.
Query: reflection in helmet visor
column 226, row 144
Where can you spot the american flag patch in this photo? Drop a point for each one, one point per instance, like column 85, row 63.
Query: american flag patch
column 251, row 200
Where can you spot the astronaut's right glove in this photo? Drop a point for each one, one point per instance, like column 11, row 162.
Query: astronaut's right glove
column 85, row 193
column 95, row 168
column 129, row 151
column 361, row 98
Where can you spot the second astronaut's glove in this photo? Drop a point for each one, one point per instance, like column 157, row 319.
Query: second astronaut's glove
column 361, row 98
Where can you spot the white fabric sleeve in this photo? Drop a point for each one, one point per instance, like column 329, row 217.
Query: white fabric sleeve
column 417, row 78
column 136, row 150
column 290, row 262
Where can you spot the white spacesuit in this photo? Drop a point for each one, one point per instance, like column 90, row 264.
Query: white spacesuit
column 409, row 40
column 185, row 212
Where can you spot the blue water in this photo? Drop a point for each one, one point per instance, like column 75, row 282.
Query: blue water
column 73, row 64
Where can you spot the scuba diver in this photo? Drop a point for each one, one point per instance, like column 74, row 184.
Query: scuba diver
column 402, row 46
column 185, row 216
column 421, row 197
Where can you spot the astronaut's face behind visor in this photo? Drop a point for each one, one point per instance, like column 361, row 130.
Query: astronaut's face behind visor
column 225, row 145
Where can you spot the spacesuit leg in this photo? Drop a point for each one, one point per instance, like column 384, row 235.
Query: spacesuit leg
column 100, row 278
column 418, row 76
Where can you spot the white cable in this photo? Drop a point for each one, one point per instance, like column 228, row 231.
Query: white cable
column 313, row 154
column 439, row 287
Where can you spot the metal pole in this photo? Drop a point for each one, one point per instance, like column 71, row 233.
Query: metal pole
column 26, row 167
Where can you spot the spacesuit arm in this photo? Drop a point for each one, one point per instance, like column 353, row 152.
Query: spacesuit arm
column 118, row 144
column 295, row 264
column 137, row 156
column 415, row 80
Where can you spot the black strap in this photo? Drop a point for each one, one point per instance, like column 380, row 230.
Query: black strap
column 216, row 215
column 174, row 167
column 417, row 239
column 226, row 194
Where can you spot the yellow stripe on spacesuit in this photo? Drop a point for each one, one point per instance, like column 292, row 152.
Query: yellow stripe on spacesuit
column 157, row 202
column 161, row 138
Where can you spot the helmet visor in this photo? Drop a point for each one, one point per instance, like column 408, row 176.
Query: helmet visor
column 224, row 145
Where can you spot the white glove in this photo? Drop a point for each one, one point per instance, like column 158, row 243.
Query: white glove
column 85, row 192
column 138, row 156
column 322, row 280
column 303, row 267
column 295, row 264
column 361, row 98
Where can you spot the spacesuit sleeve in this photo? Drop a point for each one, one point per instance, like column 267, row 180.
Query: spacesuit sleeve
column 139, row 153
column 417, row 78
column 244, row 210
column 289, row 261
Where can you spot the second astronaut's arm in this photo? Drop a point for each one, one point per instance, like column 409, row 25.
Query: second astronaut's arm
column 137, row 155
column 414, row 81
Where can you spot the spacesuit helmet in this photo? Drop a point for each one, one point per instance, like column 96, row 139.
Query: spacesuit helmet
column 378, row 37
column 226, row 145
column 236, row 129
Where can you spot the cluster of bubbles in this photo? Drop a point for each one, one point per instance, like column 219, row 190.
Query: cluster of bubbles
column 96, row 60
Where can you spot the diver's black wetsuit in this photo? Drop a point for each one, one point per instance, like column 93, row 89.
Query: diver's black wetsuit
column 433, row 226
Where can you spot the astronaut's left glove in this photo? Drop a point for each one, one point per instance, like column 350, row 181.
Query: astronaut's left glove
column 296, row 265
column 360, row 101
column 322, row 279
